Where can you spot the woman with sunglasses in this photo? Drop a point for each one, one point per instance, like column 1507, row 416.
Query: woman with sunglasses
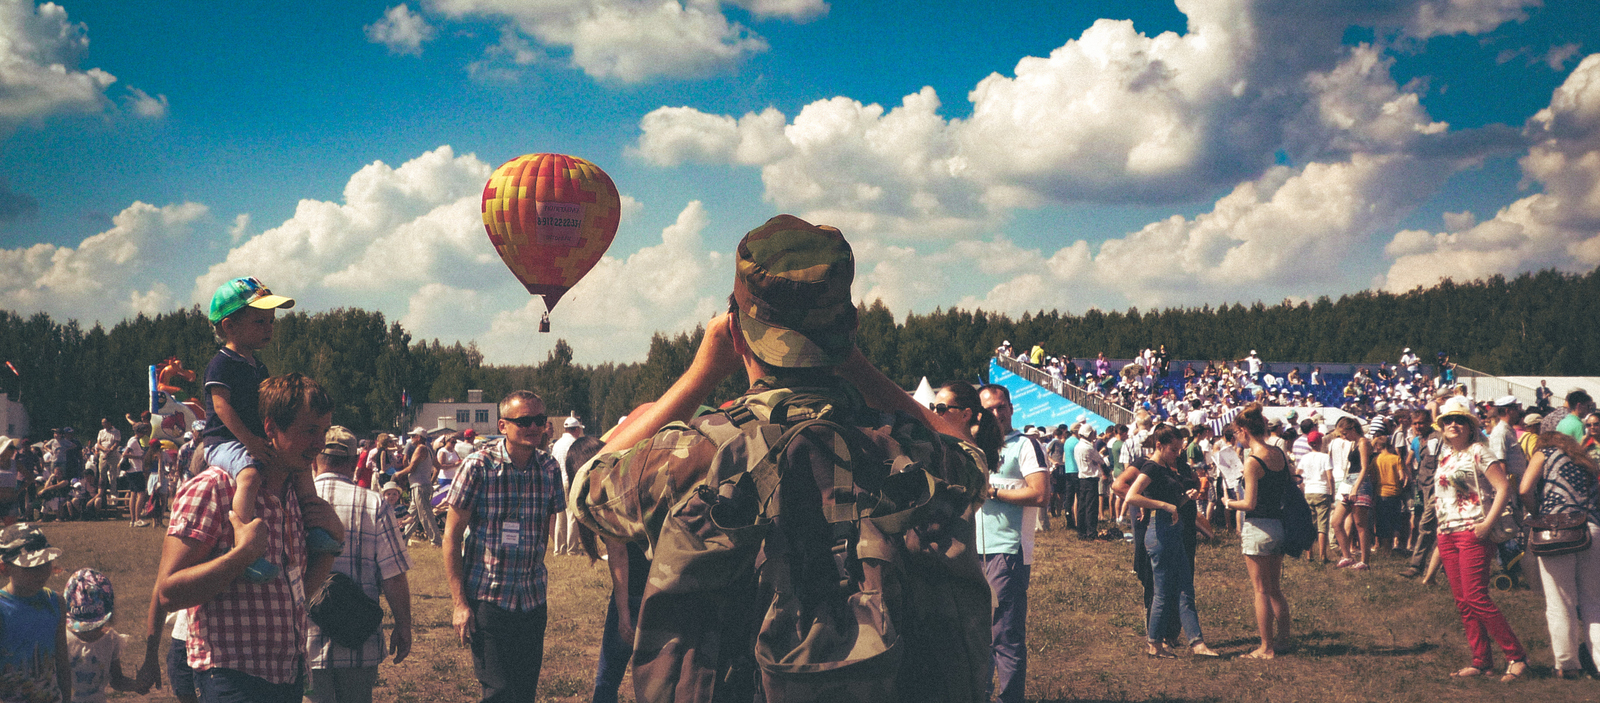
column 1471, row 491
column 958, row 400
column 1166, row 489
column 1563, row 478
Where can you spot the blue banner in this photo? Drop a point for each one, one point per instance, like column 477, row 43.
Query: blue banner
column 1033, row 404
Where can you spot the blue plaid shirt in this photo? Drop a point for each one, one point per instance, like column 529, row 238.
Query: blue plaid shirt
column 509, row 509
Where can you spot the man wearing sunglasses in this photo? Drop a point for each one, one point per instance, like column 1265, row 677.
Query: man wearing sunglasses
column 509, row 493
column 791, row 329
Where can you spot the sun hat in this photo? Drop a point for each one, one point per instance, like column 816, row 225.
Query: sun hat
column 791, row 290
column 390, row 486
column 24, row 545
column 90, row 600
column 1456, row 407
column 339, row 442
column 235, row 295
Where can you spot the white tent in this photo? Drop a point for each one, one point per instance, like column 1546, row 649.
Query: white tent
column 924, row 392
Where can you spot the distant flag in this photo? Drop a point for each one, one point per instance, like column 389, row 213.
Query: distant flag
column 13, row 368
column 405, row 398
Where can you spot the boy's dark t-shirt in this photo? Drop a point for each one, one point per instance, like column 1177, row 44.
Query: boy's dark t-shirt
column 243, row 379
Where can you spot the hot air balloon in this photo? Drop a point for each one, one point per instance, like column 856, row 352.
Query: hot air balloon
column 551, row 217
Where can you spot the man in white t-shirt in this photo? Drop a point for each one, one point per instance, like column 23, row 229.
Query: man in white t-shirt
column 1503, row 445
column 565, row 539
column 107, row 451
column 1017, row 488
column 1316, row 475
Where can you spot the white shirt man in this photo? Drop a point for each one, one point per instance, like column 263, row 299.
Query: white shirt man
column 565, row 539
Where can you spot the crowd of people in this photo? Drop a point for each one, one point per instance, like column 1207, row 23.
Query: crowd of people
column 768, row 528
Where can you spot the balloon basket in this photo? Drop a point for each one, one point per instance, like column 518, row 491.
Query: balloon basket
column 544, row 322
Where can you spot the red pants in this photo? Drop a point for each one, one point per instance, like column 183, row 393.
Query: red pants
column 1467, row 561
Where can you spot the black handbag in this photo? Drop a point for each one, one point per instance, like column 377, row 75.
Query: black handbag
column 1557, row 534
column 344, row 612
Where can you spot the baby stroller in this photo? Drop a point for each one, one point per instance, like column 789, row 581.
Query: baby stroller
column 1508, row 556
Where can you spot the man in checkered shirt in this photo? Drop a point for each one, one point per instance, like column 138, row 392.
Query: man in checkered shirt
column 375, row 557
column 508, row 493
column 247, row 642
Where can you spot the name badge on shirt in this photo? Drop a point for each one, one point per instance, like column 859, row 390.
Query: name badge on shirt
column 510, row 532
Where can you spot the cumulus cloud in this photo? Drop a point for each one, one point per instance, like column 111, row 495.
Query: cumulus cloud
column 1558, row 227
column 400, row 29
column 114, row 274
column 40, row 50
column 626, row 40
column 145, row 105
column 610, row 314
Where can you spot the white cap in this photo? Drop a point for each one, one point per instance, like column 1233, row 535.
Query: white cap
column 1407, row 351
column 1086, row 431
column 572, row 423
column 417, row 431
column 1505, row 401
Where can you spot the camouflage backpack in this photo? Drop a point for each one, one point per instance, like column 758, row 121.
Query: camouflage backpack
column 817, row 560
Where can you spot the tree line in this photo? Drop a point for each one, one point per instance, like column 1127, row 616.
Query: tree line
column 1534, row 324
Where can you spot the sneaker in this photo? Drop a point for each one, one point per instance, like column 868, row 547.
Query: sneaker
column 141, row 523
column 1359, row 566
column 261, row 572
column 1344, row 563
column 320, row 541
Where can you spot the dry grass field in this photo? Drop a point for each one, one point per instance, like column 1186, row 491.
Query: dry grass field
column 1362, row 637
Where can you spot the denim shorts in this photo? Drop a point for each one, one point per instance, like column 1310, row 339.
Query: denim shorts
column 1262, row 536
column 231, row 456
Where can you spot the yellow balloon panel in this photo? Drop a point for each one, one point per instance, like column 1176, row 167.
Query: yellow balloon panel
column 551, row 217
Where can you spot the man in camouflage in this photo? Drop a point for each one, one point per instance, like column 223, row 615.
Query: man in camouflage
column 791, row 328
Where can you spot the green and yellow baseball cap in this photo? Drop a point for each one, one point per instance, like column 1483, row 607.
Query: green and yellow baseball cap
column 792, row 292
column 233, row 296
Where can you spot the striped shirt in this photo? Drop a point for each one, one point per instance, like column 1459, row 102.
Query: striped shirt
column 508, row 512
column 257, row 629
column 374, row 552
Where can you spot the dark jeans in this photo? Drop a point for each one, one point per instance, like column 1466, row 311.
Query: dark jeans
column 1068, row 494
column 615, row 650
column 219, row 685
column 1390, row 512
column 179, row 673
column 1172, row 572
column 508, row 651
column 1008, row 579
column 1088, row 507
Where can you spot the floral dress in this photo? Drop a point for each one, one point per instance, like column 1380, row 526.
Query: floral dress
column 1461, row 493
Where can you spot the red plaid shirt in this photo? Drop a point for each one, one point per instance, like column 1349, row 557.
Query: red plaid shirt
column 259, row 630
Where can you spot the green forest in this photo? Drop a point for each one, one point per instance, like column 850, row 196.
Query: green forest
column 1533, row 324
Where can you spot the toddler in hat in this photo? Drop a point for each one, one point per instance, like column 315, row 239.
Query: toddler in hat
column 243, row 311
column 93, row 647
column 32, row 652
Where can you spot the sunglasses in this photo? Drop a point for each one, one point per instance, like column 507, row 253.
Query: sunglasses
column 941, row 408
column 1455, row 420
column 527, row 421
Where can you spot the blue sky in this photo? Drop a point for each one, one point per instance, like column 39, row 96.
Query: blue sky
column 1013, row 156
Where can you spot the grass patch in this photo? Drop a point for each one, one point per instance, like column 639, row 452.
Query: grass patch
column 1362, row 637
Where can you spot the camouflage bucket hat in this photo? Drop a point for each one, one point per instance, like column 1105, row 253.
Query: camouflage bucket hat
column 792, row 292
column 90, row 600
column 24, row 545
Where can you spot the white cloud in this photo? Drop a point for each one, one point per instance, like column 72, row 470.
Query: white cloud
column 1559, row 227
column 39, row 54
column 145, row 105
column 610, row 314
column 400, row 29
column 117, row 273
column 397, row 230
column 626, row 40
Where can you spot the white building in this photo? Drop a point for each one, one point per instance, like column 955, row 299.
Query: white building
column 13, row 418
column 475, row 414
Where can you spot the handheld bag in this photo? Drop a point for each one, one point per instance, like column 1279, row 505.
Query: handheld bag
column 344, row 612
column 1557, row 534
